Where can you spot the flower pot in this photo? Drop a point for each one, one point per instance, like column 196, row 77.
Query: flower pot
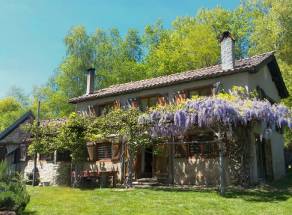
column 91, row 149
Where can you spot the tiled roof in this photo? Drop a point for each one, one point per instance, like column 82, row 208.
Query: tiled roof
column 247, row 64
column 23, row 118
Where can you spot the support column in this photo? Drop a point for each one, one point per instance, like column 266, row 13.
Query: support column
column 222, row 167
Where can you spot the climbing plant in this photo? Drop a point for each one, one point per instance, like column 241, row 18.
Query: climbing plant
column 225, row 114
column 123, row 123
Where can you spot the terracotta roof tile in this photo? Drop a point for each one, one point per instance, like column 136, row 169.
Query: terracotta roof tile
column 247, row 64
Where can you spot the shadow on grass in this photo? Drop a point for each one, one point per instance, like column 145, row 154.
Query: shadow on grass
column 29, row 213
column 280, row 190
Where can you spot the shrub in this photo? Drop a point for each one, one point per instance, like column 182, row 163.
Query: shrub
column 13, row 194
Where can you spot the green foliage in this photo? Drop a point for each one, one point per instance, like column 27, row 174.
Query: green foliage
column 13, row 194
column 188, row 46
column 10, row 110
column 124, row 123
column 72, row 137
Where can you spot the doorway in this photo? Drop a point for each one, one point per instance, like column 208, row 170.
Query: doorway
column 264, row 159
column 148, row 163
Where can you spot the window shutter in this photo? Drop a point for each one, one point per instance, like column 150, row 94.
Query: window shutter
column 134, row 103
column 162, row 100
column 117, row 104
column 180, row 97
column 116, row 151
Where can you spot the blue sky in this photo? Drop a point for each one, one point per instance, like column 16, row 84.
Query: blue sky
column 32, row 31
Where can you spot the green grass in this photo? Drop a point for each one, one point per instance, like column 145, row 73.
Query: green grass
column 274, row 199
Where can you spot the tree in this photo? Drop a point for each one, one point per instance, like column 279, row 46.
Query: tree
column 188, row 46
column 10, row 111
column 19, row 96
column 272, row 31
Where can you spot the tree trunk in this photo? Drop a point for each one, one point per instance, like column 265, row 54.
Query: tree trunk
column 34, row 173
column 130, row 170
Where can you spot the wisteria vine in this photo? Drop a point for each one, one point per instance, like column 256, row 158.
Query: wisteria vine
column 214, row 112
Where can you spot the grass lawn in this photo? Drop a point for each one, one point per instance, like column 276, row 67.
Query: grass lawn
column 274, row 199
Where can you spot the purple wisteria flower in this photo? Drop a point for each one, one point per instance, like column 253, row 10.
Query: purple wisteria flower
column 215, row 112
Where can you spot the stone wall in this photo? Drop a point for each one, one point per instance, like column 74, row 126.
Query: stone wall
column 50, row 172
column 196, row 171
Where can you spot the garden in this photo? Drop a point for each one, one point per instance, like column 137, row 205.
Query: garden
column 224, row 114
column 271, row 199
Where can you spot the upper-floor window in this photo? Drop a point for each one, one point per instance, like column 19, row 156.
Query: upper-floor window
column 106, row 107
column 148, row 102
column 203, row 91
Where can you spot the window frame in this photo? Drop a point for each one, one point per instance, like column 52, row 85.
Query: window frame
column 156, row 96
column 208, row 87
column 104, row 157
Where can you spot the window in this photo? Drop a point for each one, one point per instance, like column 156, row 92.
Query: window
column 204, row 91
column 104, row 109
column 181, row 150
column 208, row 149
column 2, row 153
column 63, row 156
column 203, row 145
column 23, row 152
column 148, row 102
column 104, row 151
column 47, row 157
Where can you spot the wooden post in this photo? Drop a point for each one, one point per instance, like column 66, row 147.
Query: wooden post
column 122, row 160
column 172, row 164
column 37, row 139
column 222, row 166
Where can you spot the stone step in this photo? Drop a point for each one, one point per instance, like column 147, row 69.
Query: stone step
column 147, row 180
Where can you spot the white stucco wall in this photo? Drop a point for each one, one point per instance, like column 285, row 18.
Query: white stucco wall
column 277, row 144
column 263, row 79
column 227, row 82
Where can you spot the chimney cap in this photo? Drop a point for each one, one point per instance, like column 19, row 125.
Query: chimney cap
column 226, row 34
column 91, row 69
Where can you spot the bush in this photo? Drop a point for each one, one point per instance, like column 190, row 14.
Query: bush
column 13, row 194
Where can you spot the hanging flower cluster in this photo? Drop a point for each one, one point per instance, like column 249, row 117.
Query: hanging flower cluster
column 214, row 112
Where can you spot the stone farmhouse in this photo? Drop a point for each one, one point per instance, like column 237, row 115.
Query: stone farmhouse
column 191, row 163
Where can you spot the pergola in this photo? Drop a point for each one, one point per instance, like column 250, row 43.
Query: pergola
column 219, row 115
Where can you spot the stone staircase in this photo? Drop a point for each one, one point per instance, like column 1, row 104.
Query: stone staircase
column 146, row 182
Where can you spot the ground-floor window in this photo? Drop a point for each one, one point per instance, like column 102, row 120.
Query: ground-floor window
column 104, row 151
column 203, row 144
column 207, row 149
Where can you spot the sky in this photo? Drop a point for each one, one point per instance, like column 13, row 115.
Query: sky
column 32, row 31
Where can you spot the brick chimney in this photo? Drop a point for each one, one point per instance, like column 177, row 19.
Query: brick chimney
column 90, row 81
column 227, row 51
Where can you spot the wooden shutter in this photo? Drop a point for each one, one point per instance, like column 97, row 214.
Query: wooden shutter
column 162, row 100
column 91, row 149
column 134, row 103
column 180, row 97
column 116, row 151
column 117, row 104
